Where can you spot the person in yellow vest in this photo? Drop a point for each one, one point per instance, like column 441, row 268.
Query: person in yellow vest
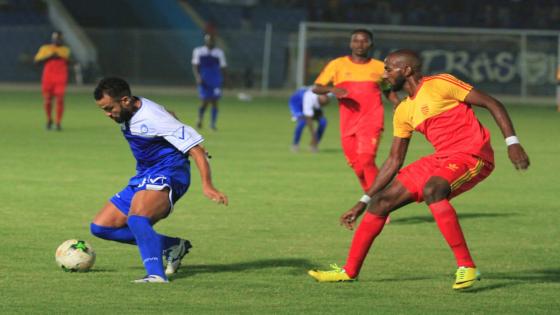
column 55, row 57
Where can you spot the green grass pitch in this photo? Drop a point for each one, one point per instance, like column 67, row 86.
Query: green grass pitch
column 252, row 256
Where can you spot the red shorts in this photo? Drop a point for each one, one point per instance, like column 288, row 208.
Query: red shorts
column 462, row 171
column 53, row 87
column 364, row 141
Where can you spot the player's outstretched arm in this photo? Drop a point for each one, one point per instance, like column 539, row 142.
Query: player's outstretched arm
column 198, row 153
column 516, row 152
column 42, row 55
column 389, row 169
column 325, row 89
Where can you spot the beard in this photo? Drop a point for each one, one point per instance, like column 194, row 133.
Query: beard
column 124, row 116
column 399, row 83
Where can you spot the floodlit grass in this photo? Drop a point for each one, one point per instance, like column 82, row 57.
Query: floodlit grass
column 252, row 256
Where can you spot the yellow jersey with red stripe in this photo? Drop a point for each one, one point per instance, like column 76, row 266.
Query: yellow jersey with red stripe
column 362, row 106
column 55, row 69
column 438, row 110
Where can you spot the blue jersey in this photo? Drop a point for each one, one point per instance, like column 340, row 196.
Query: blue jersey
column 296, row 102
column 304, row 103
column 210, row 63
column 158, row 140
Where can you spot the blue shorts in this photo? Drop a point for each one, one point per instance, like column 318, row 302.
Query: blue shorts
column 209, row 92
column 177, row 182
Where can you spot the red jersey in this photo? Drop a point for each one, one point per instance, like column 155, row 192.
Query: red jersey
column 363, row 106
column 438, row 111
column 56, row 62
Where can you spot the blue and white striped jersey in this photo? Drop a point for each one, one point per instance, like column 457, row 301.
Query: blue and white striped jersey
column 157, row 139
column 210, row 63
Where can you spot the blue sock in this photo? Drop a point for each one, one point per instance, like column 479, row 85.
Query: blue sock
column 321, row 128
column 299, row 130
column 201, row 111
column 214, row 116
column 124, row 235
column 149, row 243
column 121, row 235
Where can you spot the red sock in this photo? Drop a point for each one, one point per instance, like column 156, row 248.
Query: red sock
column 367, row 162
column 47, row 105
column 359, row 171
column 367, row 231
column 59, row 108
column 448, row 224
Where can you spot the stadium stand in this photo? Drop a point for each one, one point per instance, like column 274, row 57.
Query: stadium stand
column 135, row 47
column 540, row 14
column 24, row 26
column 22, row 12
column 242, row 28
column 155, row 40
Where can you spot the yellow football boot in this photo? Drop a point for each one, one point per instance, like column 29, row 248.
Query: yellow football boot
column 337, row 274
column 465, row 277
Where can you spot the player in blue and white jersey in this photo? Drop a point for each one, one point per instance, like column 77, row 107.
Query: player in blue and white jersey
column 306, row 108
column 162, row 146
column 209, row 64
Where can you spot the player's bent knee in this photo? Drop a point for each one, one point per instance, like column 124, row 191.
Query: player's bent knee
column 98, row 231
column 381, row 205
column 436, row 190
column 358, row 168
column 117, row 234
column 366, row 160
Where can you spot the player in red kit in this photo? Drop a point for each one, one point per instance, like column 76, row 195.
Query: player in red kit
column 439, row 107
column 55, row 57
column 356, row 82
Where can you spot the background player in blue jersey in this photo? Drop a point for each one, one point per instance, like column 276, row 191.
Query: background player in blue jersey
column 306, row 108
column 162, row 146
column 209, row 63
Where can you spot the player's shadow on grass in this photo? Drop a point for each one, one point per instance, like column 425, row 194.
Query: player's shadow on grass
column 297, row 266
column 400, row 279
column 537, row 276
column 465, row 216
column 498, row 280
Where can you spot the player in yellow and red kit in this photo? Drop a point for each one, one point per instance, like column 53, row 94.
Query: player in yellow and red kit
column 558, row 88
column 439, row 107
column 55, row 57
column 356, row 82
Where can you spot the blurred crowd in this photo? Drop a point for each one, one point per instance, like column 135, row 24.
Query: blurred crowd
column 526, row 14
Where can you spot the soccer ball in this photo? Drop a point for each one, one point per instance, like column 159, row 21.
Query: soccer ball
column 75, row 255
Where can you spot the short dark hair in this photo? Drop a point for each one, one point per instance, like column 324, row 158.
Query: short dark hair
column 363, row 30
column 112, row 86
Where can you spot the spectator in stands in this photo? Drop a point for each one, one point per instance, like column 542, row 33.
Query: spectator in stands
column 55, row 57
column 209, row 63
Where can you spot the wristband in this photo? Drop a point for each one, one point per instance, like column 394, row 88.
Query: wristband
column 365, row 199
column 511, row 140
